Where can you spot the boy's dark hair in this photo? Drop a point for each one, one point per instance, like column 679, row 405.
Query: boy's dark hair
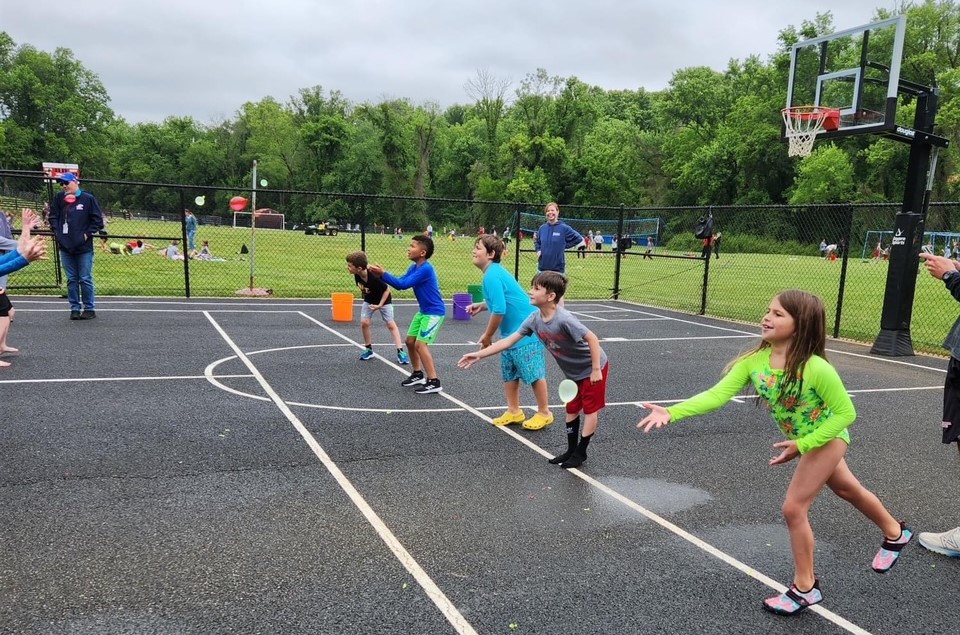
column 492, row 244
column 552, row 281
column 358, row 259
column 426, row 242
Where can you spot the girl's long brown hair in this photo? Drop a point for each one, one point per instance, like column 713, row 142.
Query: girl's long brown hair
column 809, row 338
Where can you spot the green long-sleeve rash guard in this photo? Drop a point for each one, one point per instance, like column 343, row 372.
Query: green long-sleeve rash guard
column 816, row 410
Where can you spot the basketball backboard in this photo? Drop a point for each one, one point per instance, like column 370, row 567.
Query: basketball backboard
column 856, row 71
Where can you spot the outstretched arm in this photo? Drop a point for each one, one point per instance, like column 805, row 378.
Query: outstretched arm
column 470, row 359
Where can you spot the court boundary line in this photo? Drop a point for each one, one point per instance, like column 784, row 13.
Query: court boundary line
column 436, row 595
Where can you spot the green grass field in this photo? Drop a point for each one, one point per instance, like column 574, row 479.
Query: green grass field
column 295, row 265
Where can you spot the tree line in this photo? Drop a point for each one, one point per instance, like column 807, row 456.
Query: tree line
column 709, row 138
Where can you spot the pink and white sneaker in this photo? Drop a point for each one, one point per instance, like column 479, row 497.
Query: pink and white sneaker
column 890, row 550
column 793, row 601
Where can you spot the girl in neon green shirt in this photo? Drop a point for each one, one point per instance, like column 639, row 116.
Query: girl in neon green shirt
column 809, row 403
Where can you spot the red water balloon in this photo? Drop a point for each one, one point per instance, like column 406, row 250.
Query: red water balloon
column 70, row 198
column 238, row 203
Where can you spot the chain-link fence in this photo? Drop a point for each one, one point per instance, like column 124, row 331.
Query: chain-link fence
column 297, row 242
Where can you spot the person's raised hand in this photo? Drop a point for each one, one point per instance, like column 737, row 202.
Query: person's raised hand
column 32, row 248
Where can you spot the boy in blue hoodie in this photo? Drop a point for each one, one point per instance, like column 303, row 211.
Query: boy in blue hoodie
column 75, row 218
column 422, row 277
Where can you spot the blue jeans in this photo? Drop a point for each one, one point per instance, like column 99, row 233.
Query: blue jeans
column 79, row 271
column 191, row 239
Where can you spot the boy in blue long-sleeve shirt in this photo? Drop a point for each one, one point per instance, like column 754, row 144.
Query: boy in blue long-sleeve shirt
column 422, row 277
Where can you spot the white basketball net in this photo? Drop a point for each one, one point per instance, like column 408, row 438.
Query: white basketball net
column 802, row 123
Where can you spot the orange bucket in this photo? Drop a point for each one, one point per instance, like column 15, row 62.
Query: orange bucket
column 342, row 307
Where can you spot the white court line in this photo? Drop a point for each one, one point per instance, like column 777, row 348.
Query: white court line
column 69, row 380
column 589, row 316
column 708, row 548
column 449, row 611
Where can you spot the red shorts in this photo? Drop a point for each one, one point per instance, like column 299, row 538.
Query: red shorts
column 591, row 397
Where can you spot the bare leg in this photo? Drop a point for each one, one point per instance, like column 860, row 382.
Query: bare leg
column 589, row 424
column 414, row 353
column 5, row 323
column 423, row 352
column 367, row 334
column 813, row 470
column 511, row 389
column 395, row 334
column 845, row 485
column 540, row 393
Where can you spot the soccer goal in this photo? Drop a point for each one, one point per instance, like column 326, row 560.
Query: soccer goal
column 637, row 229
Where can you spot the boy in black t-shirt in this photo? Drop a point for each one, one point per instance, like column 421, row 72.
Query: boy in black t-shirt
column 376, row 297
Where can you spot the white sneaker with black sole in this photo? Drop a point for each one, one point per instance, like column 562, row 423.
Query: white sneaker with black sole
column 415, row 379
column 429, row 386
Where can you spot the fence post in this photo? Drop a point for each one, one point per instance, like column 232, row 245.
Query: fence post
column 518, row 232
column 363, row 224
column 847, row 229
column 183, row 242
column 616, row 247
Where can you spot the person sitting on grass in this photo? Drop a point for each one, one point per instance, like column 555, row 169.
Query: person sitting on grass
column 172, row 252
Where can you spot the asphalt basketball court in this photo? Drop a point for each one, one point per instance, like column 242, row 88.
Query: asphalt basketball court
column 231, row 466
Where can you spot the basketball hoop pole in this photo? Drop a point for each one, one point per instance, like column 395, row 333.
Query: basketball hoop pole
column 894, row 339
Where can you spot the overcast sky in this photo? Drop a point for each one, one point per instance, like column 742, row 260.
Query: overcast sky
column 205, row 58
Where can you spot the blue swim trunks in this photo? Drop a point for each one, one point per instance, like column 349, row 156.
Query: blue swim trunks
column 527, row 363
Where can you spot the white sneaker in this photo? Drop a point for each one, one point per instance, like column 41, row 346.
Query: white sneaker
column 947, row 543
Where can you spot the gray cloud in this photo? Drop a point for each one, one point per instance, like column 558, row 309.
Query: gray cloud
column 206, row 58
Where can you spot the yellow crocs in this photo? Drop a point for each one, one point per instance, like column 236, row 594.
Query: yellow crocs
column 509, row 417
column 538, row 422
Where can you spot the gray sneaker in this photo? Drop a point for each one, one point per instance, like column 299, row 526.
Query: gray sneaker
column 947, row 543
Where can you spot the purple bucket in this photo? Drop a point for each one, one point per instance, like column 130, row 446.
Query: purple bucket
column 461, row 302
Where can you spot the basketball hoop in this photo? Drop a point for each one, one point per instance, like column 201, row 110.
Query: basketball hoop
column 802, row 124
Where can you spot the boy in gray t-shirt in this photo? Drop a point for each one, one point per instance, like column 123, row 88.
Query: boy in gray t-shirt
column 578, row 353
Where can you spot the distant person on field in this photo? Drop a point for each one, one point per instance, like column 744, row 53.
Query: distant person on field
column 172, row 252
column 75, row 218
column 525, row 361
column 376, row 298
column 823, row 248
column 552, row 240
column 715, row 244
column 422, row 277
column 191, row 225
column 947, row 270
column 650, row 245
column 205, row 253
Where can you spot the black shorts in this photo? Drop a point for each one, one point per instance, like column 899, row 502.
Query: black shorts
column 5, row 305
column 951, row 402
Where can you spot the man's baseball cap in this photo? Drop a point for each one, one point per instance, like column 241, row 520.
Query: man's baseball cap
column 66, row 177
